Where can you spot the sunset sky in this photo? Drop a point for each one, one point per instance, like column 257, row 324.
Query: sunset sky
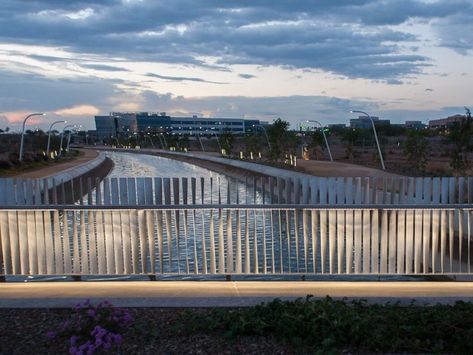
column 298, row 60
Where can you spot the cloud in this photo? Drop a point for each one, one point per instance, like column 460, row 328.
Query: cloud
column 456, row 32
column 428, row 89
column 182, row 78
column 103, row 67
column 347, row 37
column 246, row 76
column 80, row 110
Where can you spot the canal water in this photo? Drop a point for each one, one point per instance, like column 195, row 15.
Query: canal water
column 142, row 165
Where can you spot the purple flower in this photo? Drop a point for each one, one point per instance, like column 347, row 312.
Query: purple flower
column 51, row 335
column 73, row 340
column 107, row 346
column 98, row 342
column 117, row 338
column 73, row 350
column 91, row 312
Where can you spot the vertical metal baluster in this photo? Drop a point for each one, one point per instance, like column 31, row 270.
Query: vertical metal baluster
column 230, row 266
column 196, row 258
column 158, row 194
column 150, row 226
column 349, row 225
column 204, row 247
column 99, row 223
column 358, row 227
column 451, row 220
column 418, row 224
column 427, row 218
column 186, row 232
column 40, row 237
column 314, row 221
column 341, row 223
column 125, row 226
column 117, row 228
column 238, row 269
column 167, row 202
column 443, row 224
column 212, row 233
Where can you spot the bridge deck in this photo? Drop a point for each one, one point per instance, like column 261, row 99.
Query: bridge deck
column 223, row 294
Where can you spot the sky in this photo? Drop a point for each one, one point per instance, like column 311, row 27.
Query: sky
column 297, row 60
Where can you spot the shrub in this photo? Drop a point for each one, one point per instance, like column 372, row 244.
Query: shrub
column 94, row 328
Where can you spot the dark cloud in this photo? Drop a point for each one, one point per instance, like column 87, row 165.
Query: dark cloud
column 182, row 78
column 103, row 67
column 20, row 92
column 346, row 37
column 247, row 76
column 456, row 32
column 429, row 90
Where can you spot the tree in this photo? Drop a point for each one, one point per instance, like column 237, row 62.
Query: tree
column 282, row 141
column 317, row 142
column 226, row 141
column 415, row 148
column 461, row 136
column 350, row 137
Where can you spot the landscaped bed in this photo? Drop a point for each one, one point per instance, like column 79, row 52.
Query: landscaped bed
column 305, row 326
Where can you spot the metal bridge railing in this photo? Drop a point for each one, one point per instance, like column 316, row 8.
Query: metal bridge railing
column 368, row 239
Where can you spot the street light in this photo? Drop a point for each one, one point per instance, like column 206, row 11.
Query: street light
column 198, row 138
column 164, row 138
column 23, row 133
column 49, row 135
column 218, row 141
column 325, row 137
column 152, row 144
column 375, row 135
column 69, row 138
column 62, row 137
column 266, row 134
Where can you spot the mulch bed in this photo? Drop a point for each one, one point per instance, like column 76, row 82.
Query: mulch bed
column 154, row 331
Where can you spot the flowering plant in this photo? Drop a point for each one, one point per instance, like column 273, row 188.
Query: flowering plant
column 94, row 328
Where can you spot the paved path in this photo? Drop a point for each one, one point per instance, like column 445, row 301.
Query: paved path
column 48, row 171
column 223, row 293
column 311, row 167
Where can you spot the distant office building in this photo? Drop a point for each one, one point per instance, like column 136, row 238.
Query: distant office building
column 105, row 127
column 337, row 125
column 124, row 123
column 414, row 125
column 364, row 122
column 445, row 122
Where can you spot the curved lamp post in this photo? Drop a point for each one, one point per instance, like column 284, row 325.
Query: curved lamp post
column 218, row 141
column 164, row 138
column 20, row 158
column 266, row 134
column 375, row 135
column 325, row 137
column 200, row 141
column 69, row 137
column 160, row 141
column 49, row 135
column 62, row 137
column 150, row 139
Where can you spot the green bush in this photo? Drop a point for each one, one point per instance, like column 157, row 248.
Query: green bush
column 328, row 325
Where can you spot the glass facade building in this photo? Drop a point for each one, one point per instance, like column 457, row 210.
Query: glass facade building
column 123, row 123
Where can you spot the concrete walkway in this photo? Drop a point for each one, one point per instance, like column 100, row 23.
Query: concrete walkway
column 310, row 167
column 223, row 293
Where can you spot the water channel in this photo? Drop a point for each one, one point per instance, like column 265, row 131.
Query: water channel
column 217, row 187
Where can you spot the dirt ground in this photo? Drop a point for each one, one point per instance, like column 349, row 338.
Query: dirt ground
column 85, row 156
